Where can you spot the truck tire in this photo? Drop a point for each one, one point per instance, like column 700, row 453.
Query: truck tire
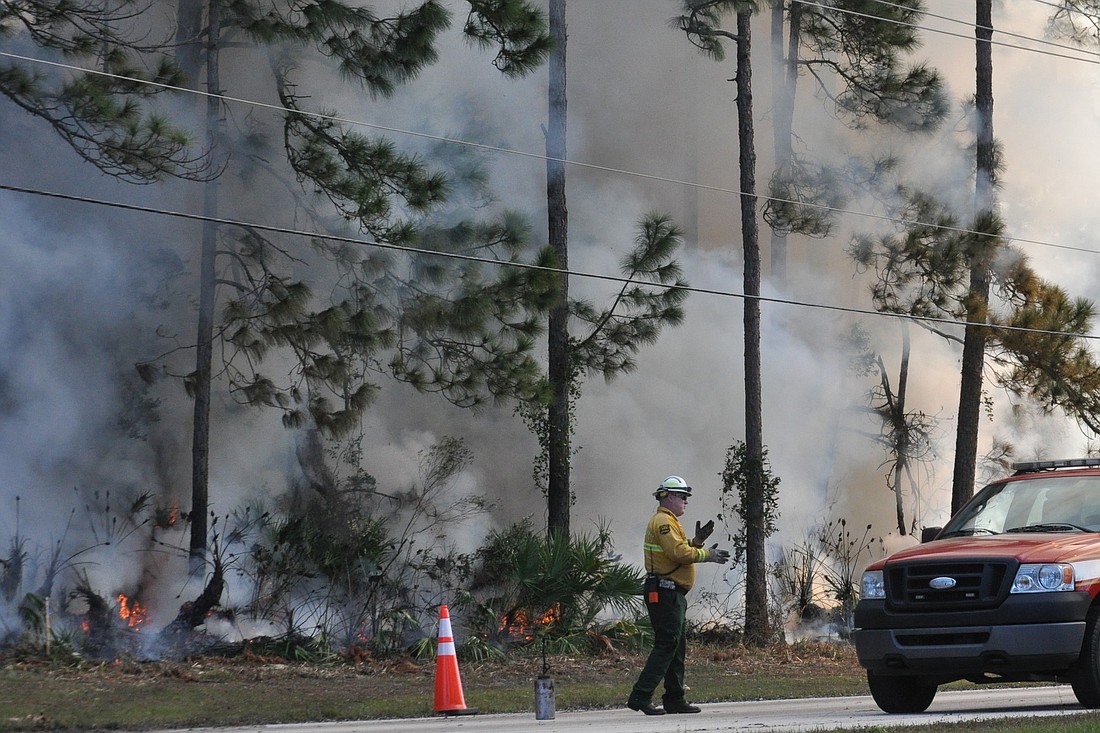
column 1086, row 671
column 901, row 694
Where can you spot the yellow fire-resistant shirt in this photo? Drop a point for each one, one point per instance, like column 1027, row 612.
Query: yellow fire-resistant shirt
column 668, row 552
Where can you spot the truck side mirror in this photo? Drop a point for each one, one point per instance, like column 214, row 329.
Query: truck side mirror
column 927, row 534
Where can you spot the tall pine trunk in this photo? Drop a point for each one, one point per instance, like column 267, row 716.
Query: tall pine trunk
column 756, row 582
column 559, row 495
column 194, row 36
column 785, row 82
column 970, row 390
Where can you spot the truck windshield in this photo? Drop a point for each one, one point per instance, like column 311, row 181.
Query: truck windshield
column 1042, row 504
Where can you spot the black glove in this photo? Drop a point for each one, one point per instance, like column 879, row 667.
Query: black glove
column 716, row 555
column 702, row 532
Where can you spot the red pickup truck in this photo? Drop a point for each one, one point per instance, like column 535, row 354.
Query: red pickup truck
column 1007, row 591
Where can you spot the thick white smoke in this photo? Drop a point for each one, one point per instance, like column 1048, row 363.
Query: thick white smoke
column 78, row 284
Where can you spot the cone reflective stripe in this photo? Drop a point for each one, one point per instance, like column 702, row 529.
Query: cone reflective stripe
column 446, row 645
column 448, row 683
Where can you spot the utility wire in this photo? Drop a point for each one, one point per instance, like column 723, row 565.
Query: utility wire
column 540, row 156
column 522, row 265
column 1061, row 6
column 1093, row 18
column 966, row 36
column 972, row 24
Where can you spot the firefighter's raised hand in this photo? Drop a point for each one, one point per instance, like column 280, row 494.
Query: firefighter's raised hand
column 702, row 532
column 714, row 554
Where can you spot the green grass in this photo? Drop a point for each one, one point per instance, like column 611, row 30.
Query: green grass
column 1082, row 723
column 128, row 696
column 211, row 692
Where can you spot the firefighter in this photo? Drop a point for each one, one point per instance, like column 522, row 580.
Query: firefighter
column 670, row 559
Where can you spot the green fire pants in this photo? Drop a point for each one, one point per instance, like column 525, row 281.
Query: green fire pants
column 666, row 659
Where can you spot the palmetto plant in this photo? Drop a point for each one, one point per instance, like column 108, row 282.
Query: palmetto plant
column 569, row 590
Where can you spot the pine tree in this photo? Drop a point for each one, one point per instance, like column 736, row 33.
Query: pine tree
column 918, row 272
column 449, row 326
column 853, row 52
column 560, row 375
column 1033, row 340
column 583, row 338
column 701, row 21
column 108, row 118
column 341, row 311
column 983, row 250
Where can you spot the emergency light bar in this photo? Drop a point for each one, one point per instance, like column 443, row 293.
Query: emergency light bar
column 1033, row 466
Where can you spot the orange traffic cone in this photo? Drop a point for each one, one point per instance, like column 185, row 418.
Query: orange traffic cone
column 449, row 699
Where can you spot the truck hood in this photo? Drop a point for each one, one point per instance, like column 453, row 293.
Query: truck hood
column 1026, row 548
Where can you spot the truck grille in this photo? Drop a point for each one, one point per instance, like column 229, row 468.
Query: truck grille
column 977, row 584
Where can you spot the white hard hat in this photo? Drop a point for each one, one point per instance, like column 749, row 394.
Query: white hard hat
column 673, row 485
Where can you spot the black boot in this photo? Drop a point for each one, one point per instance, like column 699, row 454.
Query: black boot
column 646, row 707
column 680, row 706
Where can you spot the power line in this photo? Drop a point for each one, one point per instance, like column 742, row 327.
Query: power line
column 966, row 36
column 1068, row 8
column 540, row 156
column 960, row 21
column 519, row 265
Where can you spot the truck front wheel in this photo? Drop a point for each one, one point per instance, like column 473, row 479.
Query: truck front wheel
column 901, row 694
column 1086, row 671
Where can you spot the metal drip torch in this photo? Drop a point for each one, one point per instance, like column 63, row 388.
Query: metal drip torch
column 544, row 690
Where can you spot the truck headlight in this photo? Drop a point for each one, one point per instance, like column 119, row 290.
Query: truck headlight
column 1043, row 578
column 872, row 585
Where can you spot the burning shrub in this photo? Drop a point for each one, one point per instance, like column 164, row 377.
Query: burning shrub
column 64, row 615
column 346, row 564
column 570, row 591
column 334, row 567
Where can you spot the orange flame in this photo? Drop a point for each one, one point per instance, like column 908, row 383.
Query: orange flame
column 132, row 612
column 166, row 517
column 518, row 624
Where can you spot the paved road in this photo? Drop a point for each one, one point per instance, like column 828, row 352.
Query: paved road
column 767, row 717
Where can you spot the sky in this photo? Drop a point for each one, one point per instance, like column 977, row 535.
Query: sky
column 652, row 127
